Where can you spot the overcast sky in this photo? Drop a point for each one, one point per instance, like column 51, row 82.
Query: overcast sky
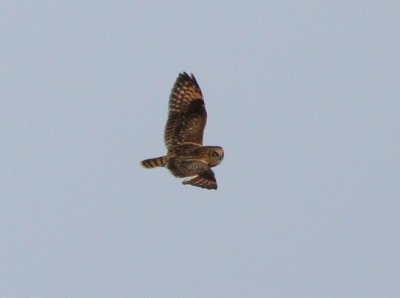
column 304, row 97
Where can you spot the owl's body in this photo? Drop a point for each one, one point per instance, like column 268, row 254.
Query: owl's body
column 186, row 156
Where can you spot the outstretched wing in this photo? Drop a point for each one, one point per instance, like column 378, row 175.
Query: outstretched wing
column 187, row 114
column 205, row 180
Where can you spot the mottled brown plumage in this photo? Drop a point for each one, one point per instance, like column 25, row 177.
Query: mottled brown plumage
column 187, row 157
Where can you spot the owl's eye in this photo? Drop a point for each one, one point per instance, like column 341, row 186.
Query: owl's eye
column 215, row 154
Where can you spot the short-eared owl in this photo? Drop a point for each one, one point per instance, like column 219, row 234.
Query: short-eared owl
column 186, row 156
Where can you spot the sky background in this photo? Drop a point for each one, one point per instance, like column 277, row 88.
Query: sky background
column 304, row 96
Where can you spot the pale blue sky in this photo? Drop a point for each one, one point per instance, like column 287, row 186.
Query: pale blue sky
column 304, row 96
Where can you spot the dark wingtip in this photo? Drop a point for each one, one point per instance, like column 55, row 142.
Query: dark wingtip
column 187, row 182
column 185, row 76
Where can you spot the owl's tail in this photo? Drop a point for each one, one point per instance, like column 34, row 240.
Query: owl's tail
column 155, row 162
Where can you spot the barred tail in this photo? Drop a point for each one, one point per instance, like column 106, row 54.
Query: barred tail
column 155, row 162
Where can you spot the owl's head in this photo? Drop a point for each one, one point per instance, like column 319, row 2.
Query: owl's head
column 215, row 155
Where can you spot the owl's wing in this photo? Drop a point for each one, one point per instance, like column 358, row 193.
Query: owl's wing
column 187, row 114
column 205, row 180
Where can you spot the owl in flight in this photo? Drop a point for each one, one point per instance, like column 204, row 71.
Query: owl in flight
column 183, row 136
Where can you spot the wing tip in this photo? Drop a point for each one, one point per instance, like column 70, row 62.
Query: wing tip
column 186, row 77
column 201, row 182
